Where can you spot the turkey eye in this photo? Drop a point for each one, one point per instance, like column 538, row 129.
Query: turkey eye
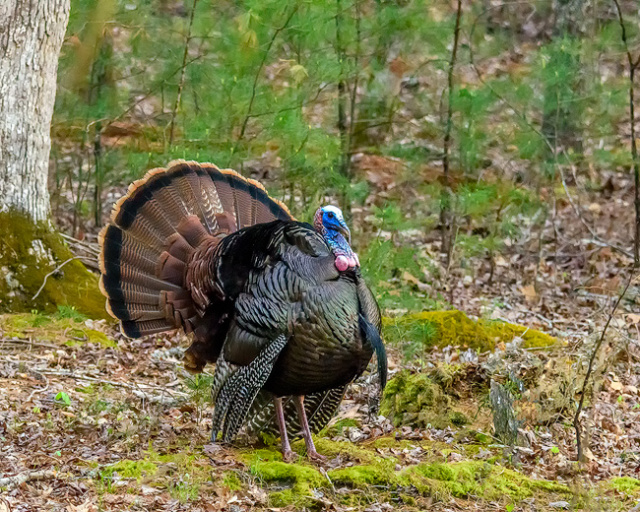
column 330, row 215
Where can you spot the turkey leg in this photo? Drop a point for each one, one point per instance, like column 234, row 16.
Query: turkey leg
column 306, row 433
column 287, row 453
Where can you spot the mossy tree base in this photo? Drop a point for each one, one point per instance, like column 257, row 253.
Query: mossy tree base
column 28, row 253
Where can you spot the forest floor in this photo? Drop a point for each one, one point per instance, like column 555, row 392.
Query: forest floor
column 90, row 420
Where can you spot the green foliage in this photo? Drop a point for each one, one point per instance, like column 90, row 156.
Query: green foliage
column 199, row 386
column 62, row 398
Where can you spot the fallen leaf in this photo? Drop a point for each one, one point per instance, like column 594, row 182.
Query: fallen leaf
column 616, row 385
column 529, row 293
column 633, row 318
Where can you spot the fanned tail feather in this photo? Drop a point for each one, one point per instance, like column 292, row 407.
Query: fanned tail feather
column 155, row 230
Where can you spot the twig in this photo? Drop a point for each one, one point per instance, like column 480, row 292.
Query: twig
column 90, row 247
column 576, row 419
column 114, row 383
column 27, row 342
column 17, row 480
column 44, row 283
column 634, row 146
column 445, row 208
column 38, row 390
column 533, row 128
column 259, row 70
column 342, row 102
column 182, row 73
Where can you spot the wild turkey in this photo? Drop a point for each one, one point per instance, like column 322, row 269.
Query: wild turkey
column 280, row 306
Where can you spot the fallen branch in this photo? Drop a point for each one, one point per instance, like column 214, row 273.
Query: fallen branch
column 576, row 419
column 4, row 341
column 136, row 387
column 17, row 480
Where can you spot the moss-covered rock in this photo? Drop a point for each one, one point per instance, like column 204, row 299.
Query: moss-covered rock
column 626, row 485
column 298, row 479
column 443, row 328
column 29, row 253
column 415, row 399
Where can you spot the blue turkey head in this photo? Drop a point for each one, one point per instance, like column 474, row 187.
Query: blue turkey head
column 329, row 222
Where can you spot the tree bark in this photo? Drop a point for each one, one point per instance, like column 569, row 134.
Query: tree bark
column 37, row 271
column 31, row 35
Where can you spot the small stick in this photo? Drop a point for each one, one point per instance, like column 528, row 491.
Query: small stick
column 50, row 274
column 28, row 342
column 576, row 419
column 182, row 72
column 15, row 481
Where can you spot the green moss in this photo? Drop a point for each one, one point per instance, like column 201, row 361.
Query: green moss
column 301, row 478
column 459, row 419
column 344, row 448
column 53, row 328
column 231, row 481
column 30, row 252
column 443, row 328
column 483, row 438
column 626, row 485
column 474, row 478
column 414, row 399
column 295, row 485
column 361, row 476
column 505, row 332
column 130, row 469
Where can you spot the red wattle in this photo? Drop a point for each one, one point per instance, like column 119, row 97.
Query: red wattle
column 342, row 263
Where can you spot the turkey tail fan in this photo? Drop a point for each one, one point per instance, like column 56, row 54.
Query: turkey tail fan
column 154, row 231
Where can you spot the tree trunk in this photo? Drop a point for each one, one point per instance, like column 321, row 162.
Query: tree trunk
column 37, row 271
column 31, row 34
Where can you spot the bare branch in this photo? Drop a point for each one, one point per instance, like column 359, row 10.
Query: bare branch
column 259, row 70
column 445, row 209
column 182, row 72
column 632, row 120
column 577, row 425
column 17, row 480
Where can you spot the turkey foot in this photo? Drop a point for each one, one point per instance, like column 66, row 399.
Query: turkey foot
column 315, row 456
column 287, row 453
column 312, row 454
